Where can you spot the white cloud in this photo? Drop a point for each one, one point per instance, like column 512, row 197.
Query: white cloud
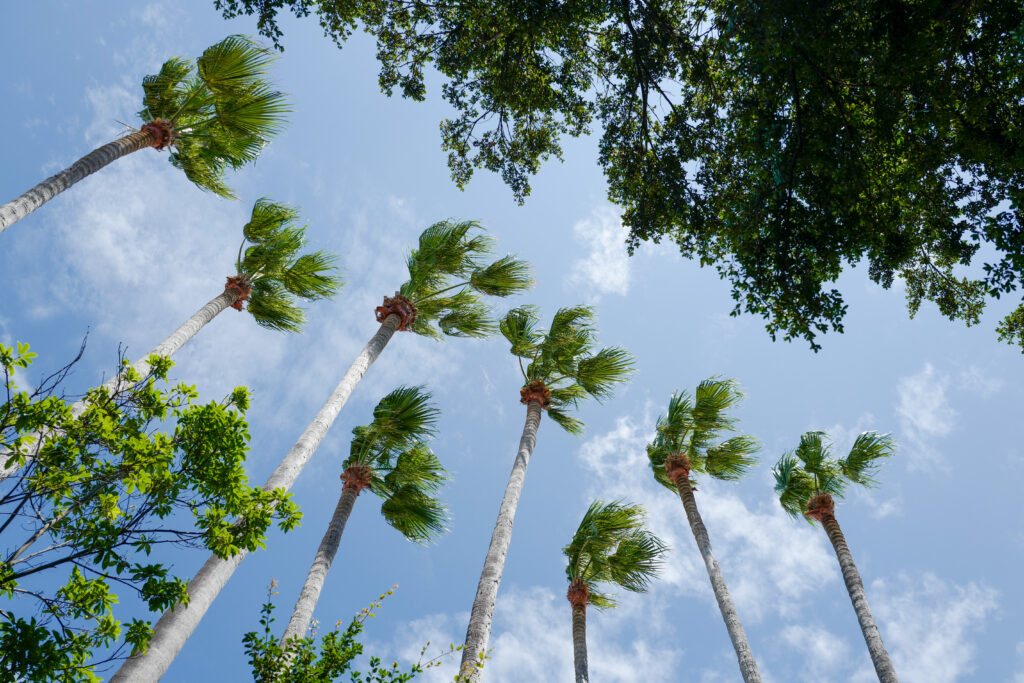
column 976, row 380
column 770, row 562
column 927, row 624
column 824, row 652
column 605, row 269
column 925, row 415
column 1019, row 676
column 532, row 641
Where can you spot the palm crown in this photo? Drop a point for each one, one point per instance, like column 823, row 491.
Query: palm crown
column 564, row 360
column 275, row 270
column 448, row 275
column 216, row 112
column 808, row 471
column 399, row 466
column 612, row 547
column 693, row 428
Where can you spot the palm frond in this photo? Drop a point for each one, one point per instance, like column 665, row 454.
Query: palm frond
column 712, row 399
column 519, row 327
column 565, row 421
column 416, row 466
column 864, row 457
column 445, row 250
column 731, row 459
column 164, row 92
column 469, row 318
column 599, row 373
column 813, row 451
column 267, row 217
column 657, row 453
column 272, row 307
column 403, row 418
column 234, row 65
column 504, row 277
column 312, row 276
column 566, row 396
column 417, row 515
column 792, row 484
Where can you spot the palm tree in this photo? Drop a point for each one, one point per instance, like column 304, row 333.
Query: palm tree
column 389, row 457
column 562, row 368
column 806, row 480
column 448, row 276
column 610, row 546
column 271, row 274
column 687, row 442
column 215, row 113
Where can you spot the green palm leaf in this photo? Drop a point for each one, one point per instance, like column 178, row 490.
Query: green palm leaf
column 864, row 457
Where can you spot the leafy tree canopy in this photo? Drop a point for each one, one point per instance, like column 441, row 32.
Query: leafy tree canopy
column 101, row 493
column 779, row 141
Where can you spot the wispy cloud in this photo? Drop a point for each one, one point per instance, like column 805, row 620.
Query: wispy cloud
column 605, row 267
column 925, row 415
column 930, row 625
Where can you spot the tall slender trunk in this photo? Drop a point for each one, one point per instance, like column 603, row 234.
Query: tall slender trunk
column 178, row 623
column 879, row 657
column 13, row 211
column 480, row 618
column 748, row 665
column 167, row 348
column 579, row 643
column 303, row 612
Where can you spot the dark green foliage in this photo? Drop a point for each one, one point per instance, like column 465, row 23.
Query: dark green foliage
column 611, row 546
column 221, row 109
column 279, row 275
column 563, row 357
column 693, row 427
column 299, row 661
column 779, row 141
column 97, row 496
column 405, row 474
column 448, row 275
column 809, row 469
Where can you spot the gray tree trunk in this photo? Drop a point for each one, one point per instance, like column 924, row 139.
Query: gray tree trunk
column 879, row 657
column 579, row 643
column 178, row 623
column 167, row 348
column 13, row 211
column 303, row 612
column 480, row 618
column 748, row 665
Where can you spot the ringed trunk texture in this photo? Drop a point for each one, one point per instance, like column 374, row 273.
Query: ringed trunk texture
column 748, row 665
column 178, row 623
column 13, row 211
column 167, row 347
column 480, row 618
column 879, row 657
column 579, row 642
column 303, row 612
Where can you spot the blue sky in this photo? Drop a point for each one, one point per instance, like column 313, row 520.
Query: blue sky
column 131, row 252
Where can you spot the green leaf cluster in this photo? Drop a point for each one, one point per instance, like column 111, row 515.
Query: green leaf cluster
column 221, row 108
column 271, row 260
column 611, row 546
column 779, row 142
column 810, row 469
column 405, row 474
column 143, row 467
column 565, row 358
column 449, row 275
column 694, row 426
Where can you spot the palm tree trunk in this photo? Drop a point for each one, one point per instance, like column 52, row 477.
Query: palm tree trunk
column 480, row 618
column 303, row 612
column 178, row 623
column 579, row 642
column 879, row 657
column 165, row 348
column 748, row 665
column 13, row 211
